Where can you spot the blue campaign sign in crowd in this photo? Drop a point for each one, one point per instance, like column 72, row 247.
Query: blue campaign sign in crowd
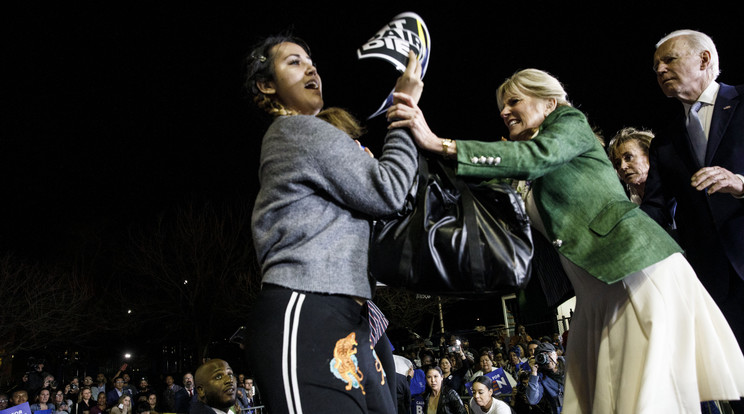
column 501, row 384
column 18, row 409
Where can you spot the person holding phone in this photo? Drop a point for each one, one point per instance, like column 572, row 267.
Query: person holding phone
column 124, row 406
column 62, row 405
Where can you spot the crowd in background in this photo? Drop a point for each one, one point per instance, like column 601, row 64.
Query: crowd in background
column 455, row 364
column 118, row 394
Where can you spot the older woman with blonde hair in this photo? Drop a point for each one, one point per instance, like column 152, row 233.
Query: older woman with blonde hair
column 635, row 292
column 628, row 151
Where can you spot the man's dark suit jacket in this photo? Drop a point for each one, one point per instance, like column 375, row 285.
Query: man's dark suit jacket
column 710, row 228
column 198, row 407
column 183, row 401
column 112, row 397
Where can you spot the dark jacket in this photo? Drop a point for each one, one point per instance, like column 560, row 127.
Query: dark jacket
column 198, row 407
column 456, row 380
column 182, row 400
column 403, row 391
column 548, row 388
column 710, row 227
column 449, row 402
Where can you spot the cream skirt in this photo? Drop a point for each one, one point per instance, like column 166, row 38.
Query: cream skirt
column 654, row 342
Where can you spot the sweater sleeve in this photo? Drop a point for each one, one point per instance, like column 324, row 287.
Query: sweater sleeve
column 337, row 166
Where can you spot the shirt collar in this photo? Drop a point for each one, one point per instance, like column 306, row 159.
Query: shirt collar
column 708, row 97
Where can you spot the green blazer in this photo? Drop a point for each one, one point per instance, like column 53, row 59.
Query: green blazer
column 579, row 197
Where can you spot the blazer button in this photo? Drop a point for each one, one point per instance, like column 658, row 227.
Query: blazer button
column 474, row 160
column 482, row 159
column 557, row 243
column 497, row 161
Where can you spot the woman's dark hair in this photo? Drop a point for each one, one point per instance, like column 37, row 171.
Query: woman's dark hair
column 486, row 381
column 38, row 393
column 142, row 407
column 260, row 68
column 435, row 368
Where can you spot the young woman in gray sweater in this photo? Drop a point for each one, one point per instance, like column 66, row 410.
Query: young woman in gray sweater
column 311, row 348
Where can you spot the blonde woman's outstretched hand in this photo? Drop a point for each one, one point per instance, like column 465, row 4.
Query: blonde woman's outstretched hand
column 406, row 114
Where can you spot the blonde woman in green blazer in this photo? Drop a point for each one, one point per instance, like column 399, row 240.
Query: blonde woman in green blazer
column 645, row 334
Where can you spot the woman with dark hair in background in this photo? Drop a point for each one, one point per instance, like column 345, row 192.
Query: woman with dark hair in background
column 61, row 404
column 483, row 400
column 454, row 374
column 439, row 398
column 100, row 407
column 152, row 400
column 42, row 401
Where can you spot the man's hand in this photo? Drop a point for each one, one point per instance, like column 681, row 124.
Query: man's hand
column 717, row 179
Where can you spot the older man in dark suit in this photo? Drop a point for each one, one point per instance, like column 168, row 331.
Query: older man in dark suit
column 699, row 163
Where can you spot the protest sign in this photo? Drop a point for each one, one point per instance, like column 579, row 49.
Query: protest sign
column 418, row 404
column 18, row 409
column 501, row 385
column 407, row 31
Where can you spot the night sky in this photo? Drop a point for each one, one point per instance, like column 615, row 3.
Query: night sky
column 117, row 110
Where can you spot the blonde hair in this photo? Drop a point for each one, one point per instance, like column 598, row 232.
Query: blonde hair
column 535, row 83
column 640, row 136
column 343, row 120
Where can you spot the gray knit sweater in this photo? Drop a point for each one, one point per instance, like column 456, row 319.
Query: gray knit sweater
column 318, row 193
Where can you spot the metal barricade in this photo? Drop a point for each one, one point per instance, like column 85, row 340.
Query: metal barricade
column 259, row 409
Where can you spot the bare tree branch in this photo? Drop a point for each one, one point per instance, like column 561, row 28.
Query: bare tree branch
column 192, row 272
column 39, row 303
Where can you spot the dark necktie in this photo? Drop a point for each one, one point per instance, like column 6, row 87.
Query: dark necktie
column 697, row 134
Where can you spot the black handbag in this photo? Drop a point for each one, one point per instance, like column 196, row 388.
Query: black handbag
column 454, row 237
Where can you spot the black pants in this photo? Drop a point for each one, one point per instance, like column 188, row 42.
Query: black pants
column 311, row 353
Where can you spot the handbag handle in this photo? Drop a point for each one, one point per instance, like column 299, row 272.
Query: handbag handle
column 477, row 265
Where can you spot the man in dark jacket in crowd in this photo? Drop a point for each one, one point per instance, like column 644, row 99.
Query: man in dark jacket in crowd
column 215, row 388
